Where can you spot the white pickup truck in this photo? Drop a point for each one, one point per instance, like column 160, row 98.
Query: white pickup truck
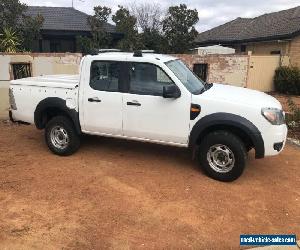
column 152, row 98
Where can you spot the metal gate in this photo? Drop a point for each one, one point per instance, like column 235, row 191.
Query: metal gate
column 261, row 72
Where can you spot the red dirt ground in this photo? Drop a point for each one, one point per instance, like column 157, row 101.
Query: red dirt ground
column 284, row 100
column 294, row 132
column 128, row 195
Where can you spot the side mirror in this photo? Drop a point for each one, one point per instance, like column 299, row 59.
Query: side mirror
column 171, row 91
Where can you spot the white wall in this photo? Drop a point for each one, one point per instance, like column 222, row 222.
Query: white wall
column 41, row 64
column 4, row 102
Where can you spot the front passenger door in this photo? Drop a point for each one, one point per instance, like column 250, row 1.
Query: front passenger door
column 147, row 115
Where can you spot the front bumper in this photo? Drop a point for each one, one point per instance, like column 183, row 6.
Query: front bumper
column 275, row 139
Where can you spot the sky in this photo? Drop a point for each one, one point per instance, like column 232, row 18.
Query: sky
column 211, row 12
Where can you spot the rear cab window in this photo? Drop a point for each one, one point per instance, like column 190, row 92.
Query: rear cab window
column 105, row 75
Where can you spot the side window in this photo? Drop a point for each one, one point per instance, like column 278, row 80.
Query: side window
column 105, row 76
column 147, row 79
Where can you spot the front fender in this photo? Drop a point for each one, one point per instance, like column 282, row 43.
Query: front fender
column 228, row 120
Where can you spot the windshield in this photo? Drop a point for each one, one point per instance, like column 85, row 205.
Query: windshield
column 186, row 76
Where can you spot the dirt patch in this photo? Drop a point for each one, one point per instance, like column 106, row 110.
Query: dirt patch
column 284, row 100
column 128, row 195
column 292, row 121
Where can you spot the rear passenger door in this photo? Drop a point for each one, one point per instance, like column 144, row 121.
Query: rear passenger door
column 102, row 102
column 146, row 114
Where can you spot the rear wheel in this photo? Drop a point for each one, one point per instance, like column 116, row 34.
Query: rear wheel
column 222, row 156
column 61, row 136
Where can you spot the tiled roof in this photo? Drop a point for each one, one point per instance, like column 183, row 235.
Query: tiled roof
column 64, row 18
column 276, row 25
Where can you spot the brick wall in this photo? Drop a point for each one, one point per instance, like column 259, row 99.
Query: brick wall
column 226, row 69
column 295, row 51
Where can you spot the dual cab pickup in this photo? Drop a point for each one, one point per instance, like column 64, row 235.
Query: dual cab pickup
column 152, row 98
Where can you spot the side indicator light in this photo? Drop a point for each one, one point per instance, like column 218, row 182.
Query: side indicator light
column 195, row 111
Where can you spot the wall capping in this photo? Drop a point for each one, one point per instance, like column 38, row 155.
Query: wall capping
column 35, row 54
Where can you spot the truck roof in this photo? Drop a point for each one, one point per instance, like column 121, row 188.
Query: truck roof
column 129, row 56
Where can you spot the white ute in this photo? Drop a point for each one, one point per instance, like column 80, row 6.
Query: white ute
column 152, row 98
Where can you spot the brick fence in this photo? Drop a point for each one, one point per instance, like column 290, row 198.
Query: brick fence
column 226, row 69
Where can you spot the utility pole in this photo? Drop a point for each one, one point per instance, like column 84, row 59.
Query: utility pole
column 79, row 0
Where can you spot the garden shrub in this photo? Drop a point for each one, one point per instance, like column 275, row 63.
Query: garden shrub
column 287, row 80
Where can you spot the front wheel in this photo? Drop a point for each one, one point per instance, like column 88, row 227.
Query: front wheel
column 222, row 156
column 61, row 136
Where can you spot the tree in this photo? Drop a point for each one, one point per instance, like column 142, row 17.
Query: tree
column 149, row 20
column 85, row 44
column 179, row 28
column 153, row 40
column 9, row 41
column 13, row 21
column 126, row 24
column 10, row 13
column 148, row 16
column 101, row 38
column 30, row 30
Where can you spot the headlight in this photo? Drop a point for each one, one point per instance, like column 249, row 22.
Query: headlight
column 273, row 115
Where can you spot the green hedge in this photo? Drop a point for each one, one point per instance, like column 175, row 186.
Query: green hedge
column 287, row 80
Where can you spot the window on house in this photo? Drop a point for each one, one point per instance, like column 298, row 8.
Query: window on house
column 243, row 48
column 21, row 70
column 275, row 52
column 200, row 69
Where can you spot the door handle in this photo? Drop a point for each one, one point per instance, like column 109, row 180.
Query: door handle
column 94, row 99
column 134, row 103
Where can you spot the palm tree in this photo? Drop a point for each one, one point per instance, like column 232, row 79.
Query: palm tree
column 9, row 41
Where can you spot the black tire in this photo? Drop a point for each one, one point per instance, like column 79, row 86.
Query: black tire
column 236, row 152
column 73, row 141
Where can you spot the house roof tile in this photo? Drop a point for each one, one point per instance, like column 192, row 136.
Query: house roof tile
column 282, row 24
column 64, row 18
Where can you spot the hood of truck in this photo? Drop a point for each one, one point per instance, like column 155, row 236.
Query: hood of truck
column 240, row 96
column 54, row 81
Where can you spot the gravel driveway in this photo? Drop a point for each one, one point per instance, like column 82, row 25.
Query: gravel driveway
column 129, row 195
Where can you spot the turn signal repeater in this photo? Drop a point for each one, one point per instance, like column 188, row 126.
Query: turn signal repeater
column 195, row 111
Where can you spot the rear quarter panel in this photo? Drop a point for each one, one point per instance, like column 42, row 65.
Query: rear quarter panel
column 28, row 97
